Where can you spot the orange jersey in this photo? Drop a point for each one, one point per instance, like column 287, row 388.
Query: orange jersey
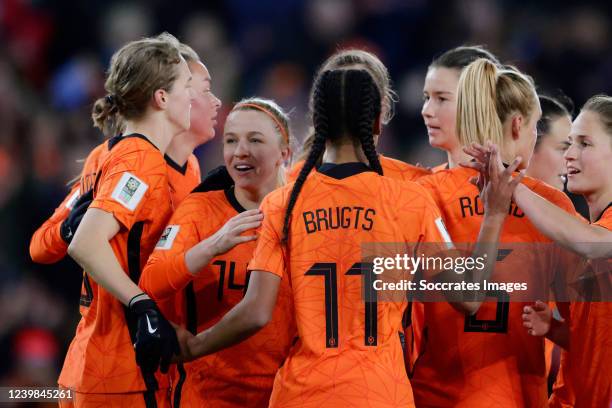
column 586, row 373
column 439, row 168
column 348, row 351
column 396, row 169
column 47, row 245
column 133, row 186
column 487, row 359
column 183, row 179
column 243, row 374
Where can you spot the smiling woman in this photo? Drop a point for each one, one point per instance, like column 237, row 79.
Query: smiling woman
column 246, row 148
column 205, row 250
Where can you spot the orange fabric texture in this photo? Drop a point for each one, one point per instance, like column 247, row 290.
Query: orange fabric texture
column 585, row 376
column 184, row 181
column 482, row 361
column 133, row 186
column 131, row 400
column 396, row 169
column 243, row 374
column 342, row 357
column 47, row 245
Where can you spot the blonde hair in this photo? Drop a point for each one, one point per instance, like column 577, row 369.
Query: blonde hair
column 136, row 71
column 487, row 95
column 188, row 54
column 281, row 123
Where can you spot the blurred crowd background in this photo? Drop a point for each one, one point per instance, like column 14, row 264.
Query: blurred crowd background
column 53, row 55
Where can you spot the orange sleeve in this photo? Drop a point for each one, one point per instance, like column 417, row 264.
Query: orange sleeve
column 47, row 245
column 166, row 272
column 269, row 254
column 128, row 177
column 561, row 200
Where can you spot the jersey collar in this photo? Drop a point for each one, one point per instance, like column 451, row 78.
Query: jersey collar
column 343, row 170
column 181, row 169
column 602, row 213
column 139, row 136
column 230, row 195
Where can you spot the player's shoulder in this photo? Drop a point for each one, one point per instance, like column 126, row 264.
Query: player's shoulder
column 203, row 204
column 404, row 191
column 280, row 196
column 134, row 144
column 293, row 172
column 399, row 169
column 446, row 177
column 555, row 196
column 135, row 151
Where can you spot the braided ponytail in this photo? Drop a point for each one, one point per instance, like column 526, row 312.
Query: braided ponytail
column 321, row 132
column 368, row 113
column 353, row 100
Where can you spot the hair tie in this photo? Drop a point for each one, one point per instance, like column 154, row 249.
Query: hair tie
column 110, row 99
column 267, row 112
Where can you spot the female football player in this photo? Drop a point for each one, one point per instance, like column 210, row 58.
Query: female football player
column 204, row 252
column 348, row 350
column 122, row 337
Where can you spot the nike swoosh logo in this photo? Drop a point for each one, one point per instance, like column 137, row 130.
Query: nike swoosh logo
column 149, row 326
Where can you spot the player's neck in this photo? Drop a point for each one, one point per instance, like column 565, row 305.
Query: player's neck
column 156, row 128
column 457, row 156
column 597, row 202
column 181, row 147
column 345, row 152
column 251, row 199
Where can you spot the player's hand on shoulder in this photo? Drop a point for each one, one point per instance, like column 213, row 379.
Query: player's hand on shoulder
column 230, row 234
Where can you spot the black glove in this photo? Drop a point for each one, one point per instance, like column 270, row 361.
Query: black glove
column 216, row 179
column 156, row 342
column 71, row 223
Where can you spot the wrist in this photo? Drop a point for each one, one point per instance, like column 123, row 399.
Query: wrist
column 138, row 298
column 199, row 256
column 518, row 192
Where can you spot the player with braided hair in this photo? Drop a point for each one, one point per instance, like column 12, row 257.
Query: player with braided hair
column 348, row 350
column 354, row 58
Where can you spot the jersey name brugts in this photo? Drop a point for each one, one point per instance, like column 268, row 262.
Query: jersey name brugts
column 331, row 218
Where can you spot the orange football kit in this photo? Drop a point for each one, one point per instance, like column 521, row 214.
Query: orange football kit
column 348, row 351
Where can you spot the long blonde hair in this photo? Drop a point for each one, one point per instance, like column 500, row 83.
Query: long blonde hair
column 487, row 95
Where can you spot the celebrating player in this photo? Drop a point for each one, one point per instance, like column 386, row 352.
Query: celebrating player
column 585, row 371
column 486, row 358
column 205, row 252
column 148, row 85
column 50, row 241
column 348, row 350
column 440, row 100
column 359, row 59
